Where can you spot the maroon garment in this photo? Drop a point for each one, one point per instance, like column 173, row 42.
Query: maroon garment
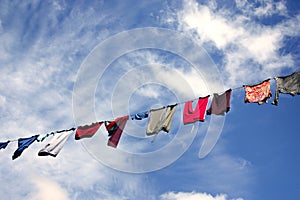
column 191, row 115
column 115, row 129
column 220, row 104
column 87, row 131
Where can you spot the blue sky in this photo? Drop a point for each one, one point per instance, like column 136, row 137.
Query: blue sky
column 45, row 47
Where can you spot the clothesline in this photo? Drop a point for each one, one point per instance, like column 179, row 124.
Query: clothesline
column 51, row 133
column 161, row 118
column 179, row 103
column 232, row 89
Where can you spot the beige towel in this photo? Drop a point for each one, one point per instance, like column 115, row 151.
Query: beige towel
column 160, row 119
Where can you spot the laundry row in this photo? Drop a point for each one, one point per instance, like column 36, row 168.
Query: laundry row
column 160, row 119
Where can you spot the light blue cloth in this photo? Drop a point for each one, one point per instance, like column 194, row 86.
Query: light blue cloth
column 140, row 116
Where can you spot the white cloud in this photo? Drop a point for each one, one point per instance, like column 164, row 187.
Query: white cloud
column 209, row 25
column 262, row 8
column 48, row 190
column 41, row 51
column 38, row 76
column 149, row 92
column 246, row 46
column 262, row 46
column 193, row 196
column 2, row 101
column 290, row 27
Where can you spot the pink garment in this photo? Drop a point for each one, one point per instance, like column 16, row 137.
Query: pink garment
column 191, row 115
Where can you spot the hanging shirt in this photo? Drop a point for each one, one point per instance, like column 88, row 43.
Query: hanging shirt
column 3, row 144
column 220, row 104
column 191, row 115
column 115, row 129
column 258, row 93
column 23, row 143
column 87, row 131
column 140, row 116
column 55, row 144
column 287, row 85
column 160, row 119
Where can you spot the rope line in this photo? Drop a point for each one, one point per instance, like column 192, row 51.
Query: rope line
column 179, row 103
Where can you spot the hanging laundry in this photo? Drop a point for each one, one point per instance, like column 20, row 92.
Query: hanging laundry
column 160, row 119
column 42, row 137
column 55, row 144
column 87, row 131
column 191, row 115
column 115, row 129
column 23, row 143
column 3, row 144
column 287, row 85
column 220, row 104
column 140, row 116
column 259, row 93
column 154, row 123
column 168, row 117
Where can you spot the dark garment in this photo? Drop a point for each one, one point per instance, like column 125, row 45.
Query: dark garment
column 220, row 104
column 191, row 115
column 140, row 116
column 87, row 131
column 3, row 144
column 259, row 93
column 115, row 129
column 23, row 143
column 287, row 85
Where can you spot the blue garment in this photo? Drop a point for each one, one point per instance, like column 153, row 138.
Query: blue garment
column 140, row 116
column 23, row 143
column 3, row 144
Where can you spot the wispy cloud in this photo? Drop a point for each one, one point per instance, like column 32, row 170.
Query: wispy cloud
column 47, row 189
column 262, row 8
column 42, row 45
column 194, row 196
column 246, row 46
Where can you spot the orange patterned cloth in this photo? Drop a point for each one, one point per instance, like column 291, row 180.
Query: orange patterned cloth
column 258, row 93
